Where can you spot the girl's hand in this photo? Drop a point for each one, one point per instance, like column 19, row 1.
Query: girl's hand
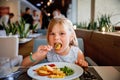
column 43, row 49
column 81, row 63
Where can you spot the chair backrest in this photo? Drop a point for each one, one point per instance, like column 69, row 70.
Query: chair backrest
column 43, row 31
column 9, row 46
column 81, row 44
column 38, row 42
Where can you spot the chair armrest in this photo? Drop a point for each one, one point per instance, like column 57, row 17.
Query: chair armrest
column 90, row 61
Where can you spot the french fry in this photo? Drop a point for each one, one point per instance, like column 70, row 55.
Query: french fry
column 51, row 72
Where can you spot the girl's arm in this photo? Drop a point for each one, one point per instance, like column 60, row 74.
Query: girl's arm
column 38, row 56
column 81, row 60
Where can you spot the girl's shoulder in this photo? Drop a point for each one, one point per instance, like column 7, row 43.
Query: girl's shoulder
column 74, row 48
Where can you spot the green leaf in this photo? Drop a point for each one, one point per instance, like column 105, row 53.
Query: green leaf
column 34, row 27
column 21, row 28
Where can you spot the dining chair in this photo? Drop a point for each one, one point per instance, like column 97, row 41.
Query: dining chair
column 88, row 59
column 42, row 31
column 9, row 46
column 38, row 42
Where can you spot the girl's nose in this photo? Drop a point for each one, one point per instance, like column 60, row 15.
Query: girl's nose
column 57, row 36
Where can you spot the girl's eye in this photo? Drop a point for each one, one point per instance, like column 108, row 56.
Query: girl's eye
column 59, row 33
column 52, row 34
column 62, row 33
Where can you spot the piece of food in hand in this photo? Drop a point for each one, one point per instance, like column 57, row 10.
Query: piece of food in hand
column 58, row 46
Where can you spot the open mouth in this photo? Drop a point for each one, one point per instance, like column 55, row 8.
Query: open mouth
column 57, row 46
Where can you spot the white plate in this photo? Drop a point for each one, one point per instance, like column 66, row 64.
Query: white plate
column 78, row 71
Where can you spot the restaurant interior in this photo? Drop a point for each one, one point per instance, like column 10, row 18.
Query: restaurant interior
column 95, row 22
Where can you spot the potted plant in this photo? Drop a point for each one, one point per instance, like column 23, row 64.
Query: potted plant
column 89, row 26
column 34, row 28
column 10, row 29
column 82, row 25
column 92, row 26
column 105, row 23
column 23, row 29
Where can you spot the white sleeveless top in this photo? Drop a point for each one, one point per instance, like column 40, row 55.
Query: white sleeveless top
column 71, row 57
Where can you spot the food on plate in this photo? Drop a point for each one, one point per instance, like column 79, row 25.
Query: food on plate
column 68, row 71
column 58, row 46
column 52, row 71
column 44, row 70
column 52, row 65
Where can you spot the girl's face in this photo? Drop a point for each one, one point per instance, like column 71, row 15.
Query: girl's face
column 60, row 34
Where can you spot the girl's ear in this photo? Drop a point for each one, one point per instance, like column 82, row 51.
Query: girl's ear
column 71, row 37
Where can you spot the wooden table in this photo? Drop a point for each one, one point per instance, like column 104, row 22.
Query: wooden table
column 101, row 73
column 108, row 72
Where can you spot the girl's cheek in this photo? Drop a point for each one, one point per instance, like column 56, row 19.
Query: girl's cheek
column 51, row 42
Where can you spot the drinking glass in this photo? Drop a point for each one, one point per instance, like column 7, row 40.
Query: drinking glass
column 5, row 66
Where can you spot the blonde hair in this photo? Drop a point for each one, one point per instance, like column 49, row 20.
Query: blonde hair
column 66, row 23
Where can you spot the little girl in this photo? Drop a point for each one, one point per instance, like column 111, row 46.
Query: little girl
column 62, row 45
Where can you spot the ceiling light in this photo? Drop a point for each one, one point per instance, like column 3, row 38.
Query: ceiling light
column 41, row 2
column 48, row 3
column 48, row 14
column 45, row 6
column 38, row 4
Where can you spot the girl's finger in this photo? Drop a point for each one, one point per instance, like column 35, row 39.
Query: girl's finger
column 49, row 47
column 76, row 62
